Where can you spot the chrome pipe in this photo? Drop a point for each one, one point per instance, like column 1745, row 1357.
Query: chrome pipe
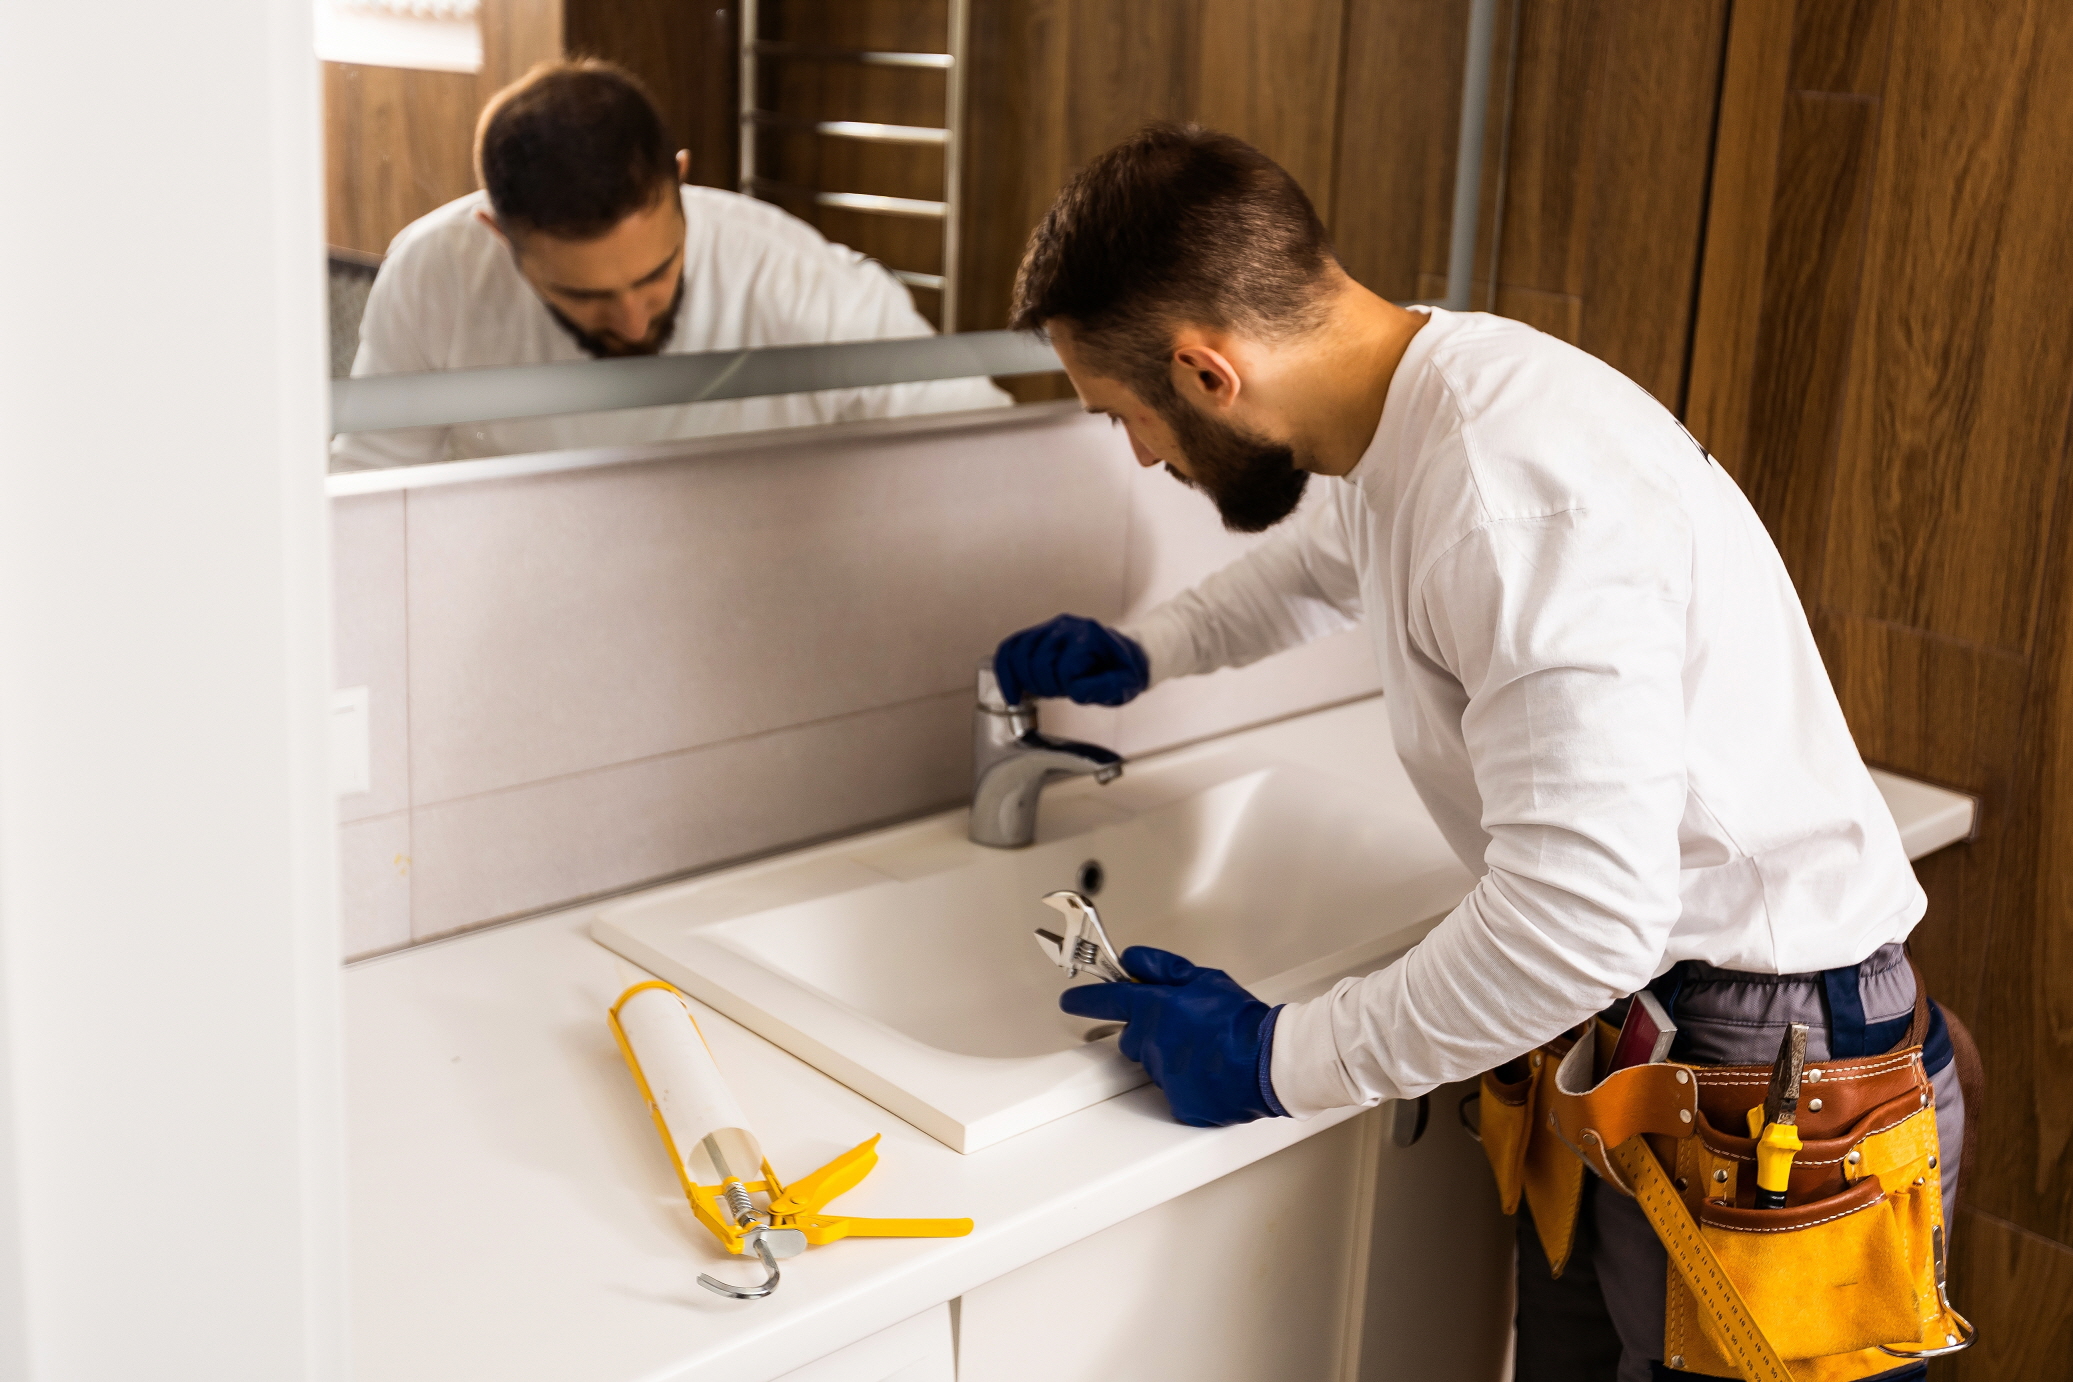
column 851, row 201
column 1468, row 159
column 813, row 52
column 953, row 157
column 866, row 130
column 745, row 179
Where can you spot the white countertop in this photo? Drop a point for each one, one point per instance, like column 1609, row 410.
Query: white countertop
column 514, row 1217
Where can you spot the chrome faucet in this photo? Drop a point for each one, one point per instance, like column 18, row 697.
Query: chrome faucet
column 1011, row 762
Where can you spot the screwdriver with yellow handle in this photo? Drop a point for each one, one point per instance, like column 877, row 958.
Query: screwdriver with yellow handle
column 1775, row 1125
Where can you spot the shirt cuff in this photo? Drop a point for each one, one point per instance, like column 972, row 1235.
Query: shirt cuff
column 1304, row 1064
column 1169, row 651
column 1263, row 1068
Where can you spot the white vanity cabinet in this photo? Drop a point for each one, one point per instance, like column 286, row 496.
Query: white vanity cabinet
column 514, row 1219
column 1343, row 1257
column 920, row 1349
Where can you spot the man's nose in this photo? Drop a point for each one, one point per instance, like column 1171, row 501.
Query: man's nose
column 1143, row 453
column 629, row 318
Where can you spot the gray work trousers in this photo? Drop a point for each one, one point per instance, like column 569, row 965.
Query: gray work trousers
column 1612, row 1309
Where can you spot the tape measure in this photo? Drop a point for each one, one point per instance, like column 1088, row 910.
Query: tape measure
column 1695, row 1262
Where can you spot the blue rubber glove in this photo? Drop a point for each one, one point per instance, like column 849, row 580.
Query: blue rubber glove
column 1071, row 657
column 1202, row 1038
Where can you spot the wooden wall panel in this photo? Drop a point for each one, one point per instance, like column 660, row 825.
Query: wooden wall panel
column 1811, row 272
column 1840, row 47
column 1952, row 714
column 1738, row 222
column 1398, row 137
column 1126, row 64
column 1881, row 358
column 515, row 35
column 685, row 54
column 1056, row 82
column 1564, row 49
column 1603, row 187
column 1271, row 70
column 1933, row 708
column 2029, row 1282
column 1015, row 147
column 1960, row 364
column 817, row 90
column 2028, row 1043
column 1651, row 144
column 397, row 144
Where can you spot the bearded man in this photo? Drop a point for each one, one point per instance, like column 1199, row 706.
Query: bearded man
column 585, row 242
column 1596, row 672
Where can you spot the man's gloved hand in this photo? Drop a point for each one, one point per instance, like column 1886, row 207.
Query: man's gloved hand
column 1071, row 657
column 1202, row 1038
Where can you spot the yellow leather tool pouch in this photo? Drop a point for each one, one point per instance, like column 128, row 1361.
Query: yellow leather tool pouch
column 1845, row 1282
column 1505, row 1123
column 1512, row 1122
column 1847, row 1275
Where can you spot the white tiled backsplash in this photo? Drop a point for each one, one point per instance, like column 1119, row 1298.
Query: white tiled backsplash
column 590, row 679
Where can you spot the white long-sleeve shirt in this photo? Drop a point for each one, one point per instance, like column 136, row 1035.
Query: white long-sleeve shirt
column 1604, row 688
column 448, row 297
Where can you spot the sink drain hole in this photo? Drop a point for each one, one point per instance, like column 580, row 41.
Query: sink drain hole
column 1091, row 877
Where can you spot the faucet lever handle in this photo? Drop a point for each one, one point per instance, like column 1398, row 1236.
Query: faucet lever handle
column 990, row 697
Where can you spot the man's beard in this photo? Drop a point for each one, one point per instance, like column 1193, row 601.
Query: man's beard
column 611, row 347
column 1254, row 482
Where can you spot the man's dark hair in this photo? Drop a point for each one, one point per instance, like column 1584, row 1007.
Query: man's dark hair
column 571, row 149
column 1178, row 225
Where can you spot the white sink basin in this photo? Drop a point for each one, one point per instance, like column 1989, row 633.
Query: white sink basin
column 901, row 962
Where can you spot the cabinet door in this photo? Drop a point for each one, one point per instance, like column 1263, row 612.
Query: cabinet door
column 1342, row 1259
column 915, row 1350
column 1243, row 1280
column 1438, row 1293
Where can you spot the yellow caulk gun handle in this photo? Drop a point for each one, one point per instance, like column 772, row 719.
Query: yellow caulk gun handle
column 809, row 1193
column 909, row 1228
column 833, row 1228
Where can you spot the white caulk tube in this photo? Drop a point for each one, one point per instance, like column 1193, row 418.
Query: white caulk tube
column 704, row 1124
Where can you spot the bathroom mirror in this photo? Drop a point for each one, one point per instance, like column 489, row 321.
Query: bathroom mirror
column 732, row 215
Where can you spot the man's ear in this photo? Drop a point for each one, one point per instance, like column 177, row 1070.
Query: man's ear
column 1205, row 377
column 683, row 165
column 482, row 214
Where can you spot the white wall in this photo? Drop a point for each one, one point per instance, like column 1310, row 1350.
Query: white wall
column 591, row 679
column 170, row 1201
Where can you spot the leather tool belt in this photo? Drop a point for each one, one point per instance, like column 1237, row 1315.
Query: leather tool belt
column 1844, row 1281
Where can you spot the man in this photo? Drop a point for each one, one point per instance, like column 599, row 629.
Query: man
column 1594, row 665
column 585, row 243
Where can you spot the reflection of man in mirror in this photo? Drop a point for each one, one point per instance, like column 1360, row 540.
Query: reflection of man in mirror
column 585, row 242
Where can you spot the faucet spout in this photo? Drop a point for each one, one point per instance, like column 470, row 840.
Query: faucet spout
column 1012, row 760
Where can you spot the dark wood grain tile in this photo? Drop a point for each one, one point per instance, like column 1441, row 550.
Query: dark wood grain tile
column 1652, row 135
column 1812, row 269
column 1958, row 402
column 2017, row 1289
column 1933, row 708
column 1269, row 69
column 1555, row 166
column 1738, row 229
column 1839, row 46
column 685, row 55
column 1397, row 142
column 397, row 144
